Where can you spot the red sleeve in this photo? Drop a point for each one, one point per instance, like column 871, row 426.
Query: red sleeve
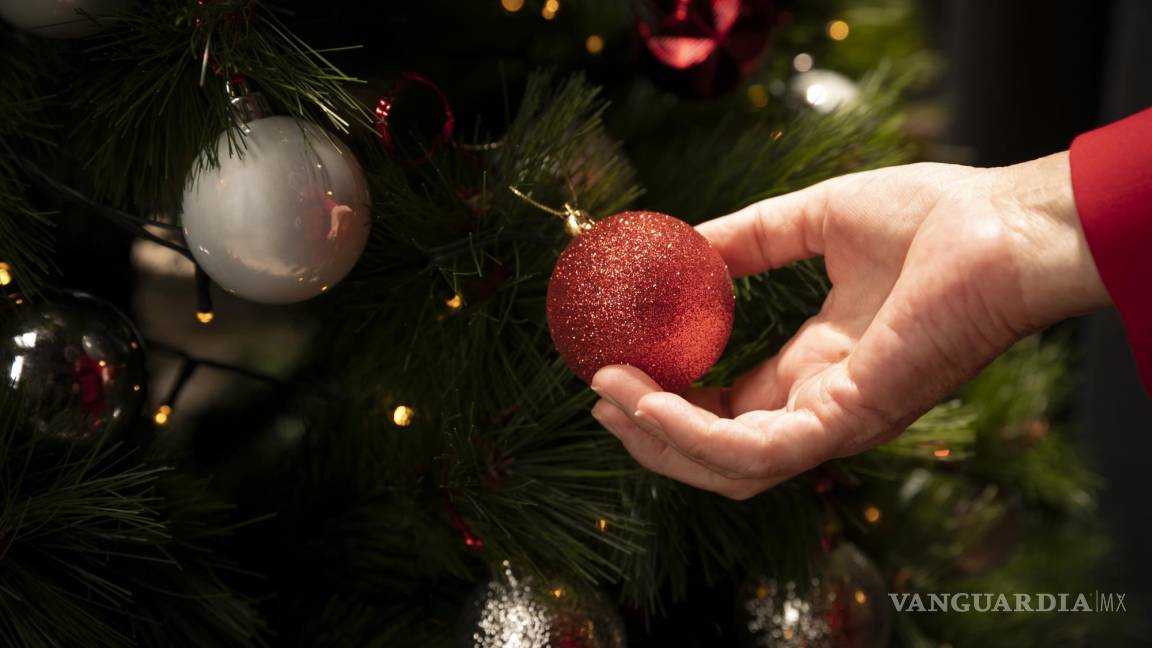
column 1112, row 182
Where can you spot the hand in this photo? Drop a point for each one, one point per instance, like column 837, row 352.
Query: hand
column 935, row 269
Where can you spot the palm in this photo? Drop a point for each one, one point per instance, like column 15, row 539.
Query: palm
column 926, row 289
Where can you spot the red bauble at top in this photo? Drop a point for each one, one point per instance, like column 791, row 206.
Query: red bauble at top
column 705, row 48
column 642, row 289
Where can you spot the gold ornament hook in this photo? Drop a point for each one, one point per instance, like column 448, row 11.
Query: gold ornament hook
column 576, row 221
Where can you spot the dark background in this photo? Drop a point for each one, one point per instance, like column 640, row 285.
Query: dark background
column 1024, row 78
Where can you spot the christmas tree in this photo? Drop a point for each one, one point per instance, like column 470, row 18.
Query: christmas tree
column 402, row 457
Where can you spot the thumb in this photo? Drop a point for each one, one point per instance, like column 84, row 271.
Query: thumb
column 774, row 232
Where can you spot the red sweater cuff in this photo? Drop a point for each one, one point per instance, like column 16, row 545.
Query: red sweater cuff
column 1112, row 182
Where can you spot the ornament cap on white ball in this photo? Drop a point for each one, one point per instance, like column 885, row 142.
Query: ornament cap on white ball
column 282, row 219
column 62, row 19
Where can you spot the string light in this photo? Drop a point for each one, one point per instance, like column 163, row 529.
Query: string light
column 594, row 44
column 941, row 453
column 776, row 135
column 1035, row 429
column 550, row 9
column 402, row 415
column 205, row 317
column 802, row 62
column 5, row 274
column 602, row 524
column 512, row 6
column 163, row 413
column 757, row 95
column 838, row 30
column 872, row 514
column 558, row 592
column 456, row 302
column 135, row 388
column 860, row 597
column 816, row 94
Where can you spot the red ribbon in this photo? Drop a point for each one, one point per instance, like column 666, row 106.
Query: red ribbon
column 471, row 540
column 388, row 102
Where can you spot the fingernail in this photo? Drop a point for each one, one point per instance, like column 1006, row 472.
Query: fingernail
column 646, row 421
column 594, row 388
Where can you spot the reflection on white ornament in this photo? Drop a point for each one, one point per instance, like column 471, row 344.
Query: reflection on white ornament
column 62, row 18
column 284, row 218
column 824, row 90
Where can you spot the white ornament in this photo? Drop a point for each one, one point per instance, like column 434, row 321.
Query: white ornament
column 824, row 90
column 282, row 219
column 62, row 18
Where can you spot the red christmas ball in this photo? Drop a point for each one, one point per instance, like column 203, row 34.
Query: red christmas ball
column 705, row 48
column 641, row 289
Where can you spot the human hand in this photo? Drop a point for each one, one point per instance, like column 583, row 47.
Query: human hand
column 935, row 269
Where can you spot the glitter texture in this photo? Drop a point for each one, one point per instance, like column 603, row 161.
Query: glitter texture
column 845, row 606
column 513, row 611
column 642, row 289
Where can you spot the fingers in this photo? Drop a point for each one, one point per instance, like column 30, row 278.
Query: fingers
column 657, row 456
column 674, row 437
column 627, row 387
column 765, row 445
column 773, row 232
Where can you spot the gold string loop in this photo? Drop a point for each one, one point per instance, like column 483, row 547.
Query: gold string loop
column 576, row 221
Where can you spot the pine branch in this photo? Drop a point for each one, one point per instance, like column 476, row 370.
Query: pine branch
column 533, row 475
column 83, row 533
column 147, row 116
column 25, row 242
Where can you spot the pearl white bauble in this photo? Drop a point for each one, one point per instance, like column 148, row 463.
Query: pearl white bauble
column 282, row 219
column 61, row 18
column 824, row 90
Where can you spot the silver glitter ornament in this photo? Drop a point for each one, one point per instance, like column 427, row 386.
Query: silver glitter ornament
column 79, row 363
column 980, row 532
column 844, row 606
column 62, row 18
column 511, row 611
column 282, row 219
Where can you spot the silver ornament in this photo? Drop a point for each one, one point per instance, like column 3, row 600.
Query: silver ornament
column 512, row 611
column 824, row 90
column 284, row 218
column 980, row 532
column 844, row 606
column 62, row 18
column 77, row 361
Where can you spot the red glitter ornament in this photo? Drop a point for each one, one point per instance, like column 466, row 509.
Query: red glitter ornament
column 642, row 289
column 705, row 48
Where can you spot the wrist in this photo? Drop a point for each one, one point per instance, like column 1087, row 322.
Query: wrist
column 1058, row 276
